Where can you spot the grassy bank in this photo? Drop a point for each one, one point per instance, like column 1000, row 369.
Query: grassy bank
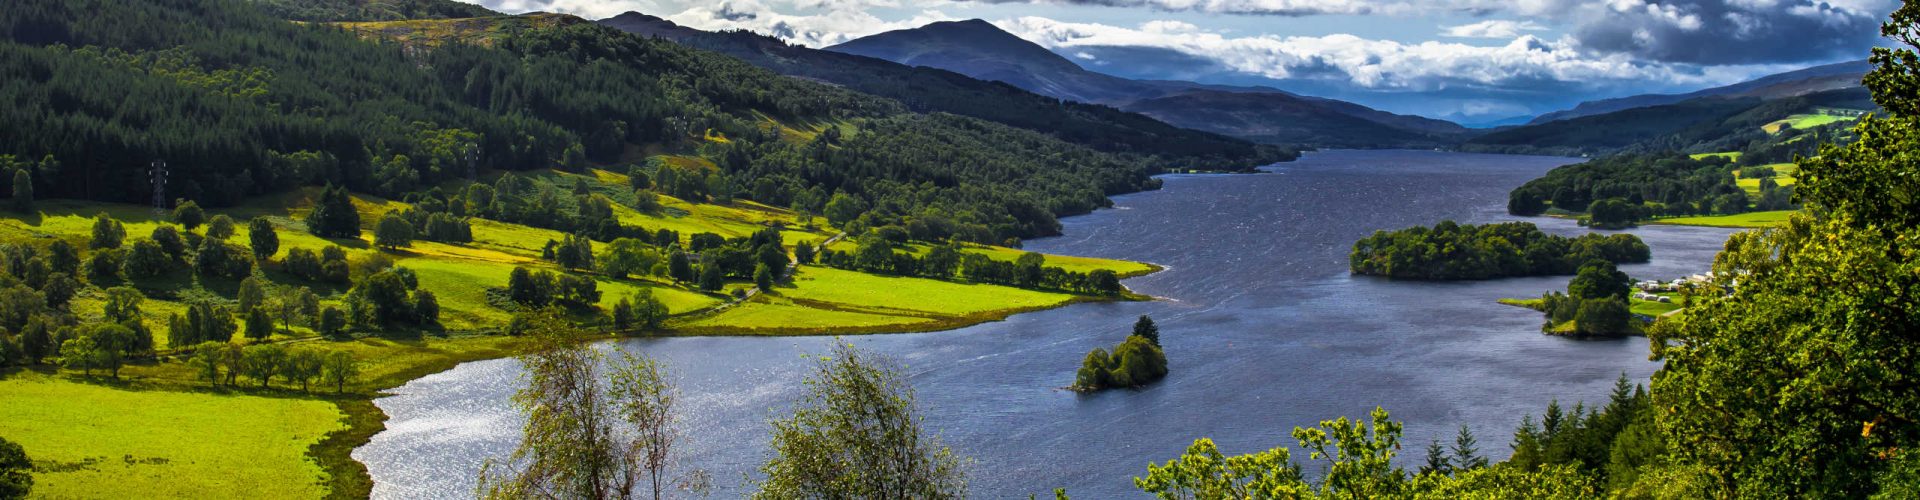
column 159, row 431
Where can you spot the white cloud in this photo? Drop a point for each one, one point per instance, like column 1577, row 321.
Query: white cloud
column 1380, row 64
column 1492, row 28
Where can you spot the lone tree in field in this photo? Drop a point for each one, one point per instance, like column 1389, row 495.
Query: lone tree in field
column 22, row 191
column 264, row 241
column 393, row 232
column 334, row 216
column 857, row 435
column 570, row 445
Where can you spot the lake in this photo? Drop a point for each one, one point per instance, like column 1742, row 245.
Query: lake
column 1263, row 327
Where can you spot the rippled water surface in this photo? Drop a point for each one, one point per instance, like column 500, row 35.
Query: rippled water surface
column 1263, row 327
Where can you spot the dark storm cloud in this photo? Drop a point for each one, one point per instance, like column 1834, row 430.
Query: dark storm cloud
column 1731, row 32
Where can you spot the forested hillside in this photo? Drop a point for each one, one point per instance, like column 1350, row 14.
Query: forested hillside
column 238, row 102
column 935, row 90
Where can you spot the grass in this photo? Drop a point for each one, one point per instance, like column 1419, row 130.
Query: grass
column 778, row 315
column 1783, row 176
column 1804, row 121
column 92, row 441
column 853, row 289
column 1651, row 308
column 1746, row 220
column 1734, row 156
column 162, row 433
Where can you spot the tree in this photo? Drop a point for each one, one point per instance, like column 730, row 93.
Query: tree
column 1466, row 451
column 1600, row 279
column 259, row 323
column 252, row 294
column 107, row 233
column 569, row 446
column 627, row 256
column 712, row 277
column 16, row 480
column 645, row 399
column 1144, row 328
column 857, row 434
column 1359, row 465
column 1605, row 316
column 101, row 346
column 206, row 361
column 763, row 278
column 1437, row 460
column 302, row 365
column 220, row 228
column 262, row 361
column 263, row 239
column 393, row 232
column 334, row 216
column 339, row 368
column 1104, row 281
column 843, row 209
column 147, row 260
column 189, row 215
column 333, row 322
column 680, row 268
column 22, row 191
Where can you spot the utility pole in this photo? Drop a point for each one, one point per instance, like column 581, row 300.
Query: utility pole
column 157, row 174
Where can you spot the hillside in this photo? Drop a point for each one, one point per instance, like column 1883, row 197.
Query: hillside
column 1794, row 83
column 478, row 171
column 933, row 90
column 980, row 50
column 1702, row 125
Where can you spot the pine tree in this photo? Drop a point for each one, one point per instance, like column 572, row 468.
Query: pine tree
column 1145, row 328
column 22, row 191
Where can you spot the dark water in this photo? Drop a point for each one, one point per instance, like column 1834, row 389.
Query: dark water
column 1263, row 327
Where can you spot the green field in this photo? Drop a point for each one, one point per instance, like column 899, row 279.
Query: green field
column 173, row 438
column 90, row 441
column 1746, row 220
column 1734, row 156
column 1805, row 121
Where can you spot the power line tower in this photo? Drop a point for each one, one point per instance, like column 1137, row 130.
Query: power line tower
column 157, row 174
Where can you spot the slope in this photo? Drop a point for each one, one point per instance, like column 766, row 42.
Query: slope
column 1789, row 84
column 981, row 50
column 934, row 90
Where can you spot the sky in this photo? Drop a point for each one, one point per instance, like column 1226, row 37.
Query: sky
column 1468, row 60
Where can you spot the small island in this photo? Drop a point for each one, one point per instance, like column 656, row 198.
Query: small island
column 1594, row 305
column 1136, row 362
column 1452, row 251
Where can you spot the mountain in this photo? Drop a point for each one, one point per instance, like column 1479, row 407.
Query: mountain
column 981, row 50
column 935, row 90
column 1806, row 81
column 242, row 103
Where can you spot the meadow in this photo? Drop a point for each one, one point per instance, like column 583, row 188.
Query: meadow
column 160, row 431
column 1746, row 220
column 95, row 441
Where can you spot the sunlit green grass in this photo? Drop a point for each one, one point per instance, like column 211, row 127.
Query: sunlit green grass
column 90, row 441
column 1746, row 220
column 777, row 315
column 853, row 289
column 1803, row 122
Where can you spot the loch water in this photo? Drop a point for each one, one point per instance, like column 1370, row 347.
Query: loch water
column 1263, row 327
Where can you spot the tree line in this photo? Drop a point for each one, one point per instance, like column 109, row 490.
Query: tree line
column 1452, row 251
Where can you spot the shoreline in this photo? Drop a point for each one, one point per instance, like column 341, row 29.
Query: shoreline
column 348, row 477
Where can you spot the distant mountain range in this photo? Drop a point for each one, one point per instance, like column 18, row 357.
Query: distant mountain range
column 935, row 90
column 981, row 50
column 1795, row 83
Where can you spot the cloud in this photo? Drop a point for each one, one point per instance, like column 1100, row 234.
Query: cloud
column 1495, row 28
column 1685, row 31
column 1374, row 64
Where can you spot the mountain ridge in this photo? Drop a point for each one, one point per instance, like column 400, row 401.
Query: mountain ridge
column 979, row 49
column 1789, row 84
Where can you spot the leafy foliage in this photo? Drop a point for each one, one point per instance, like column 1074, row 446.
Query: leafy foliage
column 1451, row 251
